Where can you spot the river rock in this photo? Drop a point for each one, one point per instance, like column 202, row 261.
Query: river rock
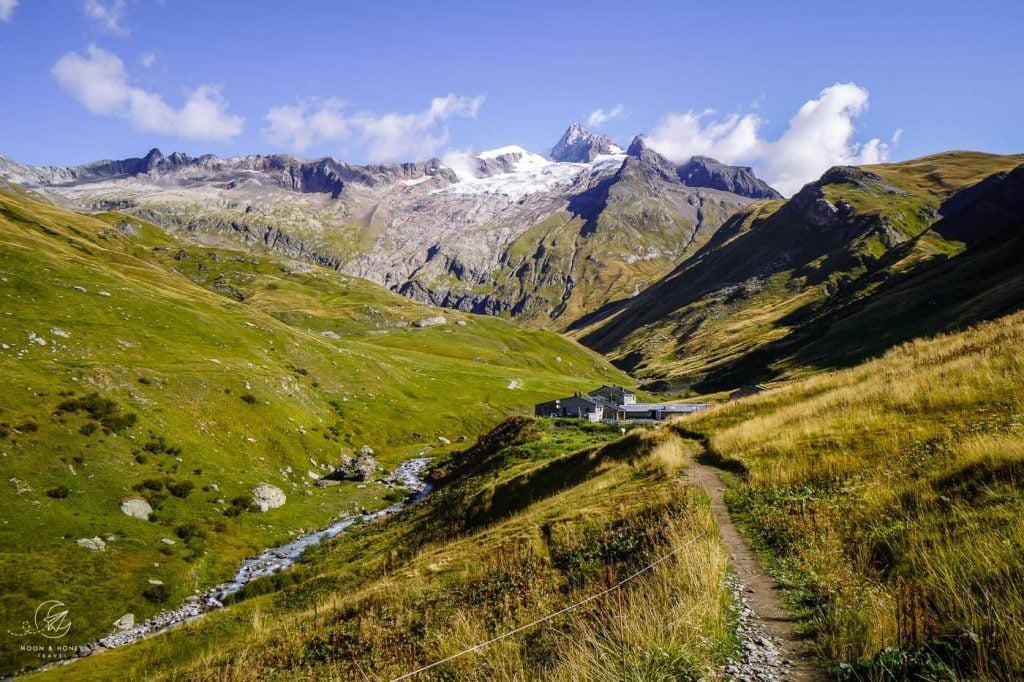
column 125, row 622
column 92, row 544
column 137, row 508
column 267, row 496
column 361, row 468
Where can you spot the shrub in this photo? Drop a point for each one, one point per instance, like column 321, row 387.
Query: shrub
column 107, row 412
column 244, row 502
column 158, row 594
column 159, row 445
column 88, row 428
column 58, row 492
column 120, row 422
column 145, row 381
column 181, row 489
column 27, row 427
column 190, row 531
column 248, row 398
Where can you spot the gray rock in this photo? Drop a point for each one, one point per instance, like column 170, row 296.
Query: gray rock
column 137, row 508
column 20, row 487
column 267, row 496
column 362, row 467
column 92, row 544
column 125, row 622
column 433, row 321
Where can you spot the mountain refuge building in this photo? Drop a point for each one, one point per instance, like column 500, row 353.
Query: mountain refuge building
column 612, row 404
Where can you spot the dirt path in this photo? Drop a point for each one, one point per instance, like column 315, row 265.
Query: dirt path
column 772, row 649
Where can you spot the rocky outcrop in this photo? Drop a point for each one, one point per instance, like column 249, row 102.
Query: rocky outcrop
column 432, row 321
column 266, row 497
column 363, row 467
column 92, row 544
column 701, row 171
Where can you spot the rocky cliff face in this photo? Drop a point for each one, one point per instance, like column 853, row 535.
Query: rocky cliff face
column 503, row 232
column 700, row 171
column 579, row 145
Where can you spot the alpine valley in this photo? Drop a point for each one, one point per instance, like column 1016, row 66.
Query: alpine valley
column 325, row 374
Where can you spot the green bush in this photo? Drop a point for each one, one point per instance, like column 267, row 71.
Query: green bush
column 107, row 412
column 58, row 492
column 158, row 594
column 181, row 488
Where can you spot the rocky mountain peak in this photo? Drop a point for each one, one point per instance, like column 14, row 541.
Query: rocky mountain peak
column 637, row 147
column 579, row 145
column 702, row 171
column 152, row 159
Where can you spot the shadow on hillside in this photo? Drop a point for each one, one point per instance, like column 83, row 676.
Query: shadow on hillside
column 940, row 295
column 508, row 497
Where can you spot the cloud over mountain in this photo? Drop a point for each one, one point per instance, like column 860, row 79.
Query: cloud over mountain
column 819, row 135
column 386, row 137
column 599, row 117
column 99, row 81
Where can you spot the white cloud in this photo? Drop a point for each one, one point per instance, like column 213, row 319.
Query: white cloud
column 98, row 80
column 148, row 60
column 107, row 15
column 820, row 135
column 306, row 124
column 386, row 137
column 897, row 136
column 599, row 117
column 7, row 9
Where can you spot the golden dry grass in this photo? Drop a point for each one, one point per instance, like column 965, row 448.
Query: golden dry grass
column 890, row 495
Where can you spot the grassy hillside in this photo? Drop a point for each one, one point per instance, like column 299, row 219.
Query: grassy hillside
column 854, row 263
column 890, row 498
column 537, row 516
column 140, row 365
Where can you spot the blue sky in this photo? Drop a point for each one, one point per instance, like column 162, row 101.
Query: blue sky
column 89, row 79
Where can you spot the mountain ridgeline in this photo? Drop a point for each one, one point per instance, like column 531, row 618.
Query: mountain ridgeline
column 696, row 274
column 504, row 232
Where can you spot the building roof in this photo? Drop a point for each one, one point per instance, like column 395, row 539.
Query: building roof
column 666, row 407
column 615, row 389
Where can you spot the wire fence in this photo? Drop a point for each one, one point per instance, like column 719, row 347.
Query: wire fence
column 554, row 614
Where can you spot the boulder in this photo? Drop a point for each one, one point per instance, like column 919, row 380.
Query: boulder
column 125, row 622
column 267, row 496
column 443, row 441
column 92, row 544
column 137, row 508
column 360, row 468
